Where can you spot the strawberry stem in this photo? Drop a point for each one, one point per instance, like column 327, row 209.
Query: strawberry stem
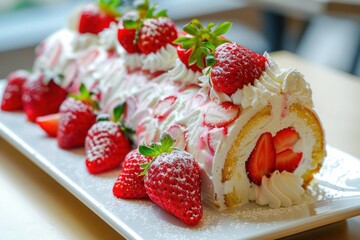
column 85, row 96
column 110, row 7
column 156, row 149
column 203, row 40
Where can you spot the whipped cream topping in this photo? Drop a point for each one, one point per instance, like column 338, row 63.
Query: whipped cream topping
column 184, row 75
column 272, row 82
column 279, row 190
column 162, row 60
column 108, row 37
column 84, row 40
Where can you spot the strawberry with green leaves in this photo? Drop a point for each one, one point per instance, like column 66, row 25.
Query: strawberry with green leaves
column 172, row 180
column 77, row 115
column 95, row 18
column 42, row 95
column 233, row 66
column 106, row 143
column 148, row 31
column 130, row 184
column 191, row 49
column 11, row 99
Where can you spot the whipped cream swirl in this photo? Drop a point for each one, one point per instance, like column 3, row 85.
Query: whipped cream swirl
column 280, row 190
column 185, row 75
column 162, row 60
column 272, row 82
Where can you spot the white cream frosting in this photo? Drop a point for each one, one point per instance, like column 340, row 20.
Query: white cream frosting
column 162, row 60
column 279, row 190
column 186, row 76
column 108, row 37
column 273, row 81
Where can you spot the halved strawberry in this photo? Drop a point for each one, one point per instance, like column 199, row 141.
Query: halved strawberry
column 288, row 160
column 49, row 123
column 163, row 107
column 220, row 115
column 261, row 161
column 285, row 138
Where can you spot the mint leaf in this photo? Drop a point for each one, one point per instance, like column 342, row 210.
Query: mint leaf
column 222, row 28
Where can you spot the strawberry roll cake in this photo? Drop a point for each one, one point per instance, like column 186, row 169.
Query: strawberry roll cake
column 249, row 124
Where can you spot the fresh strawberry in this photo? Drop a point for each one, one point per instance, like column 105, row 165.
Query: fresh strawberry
column 220, row 115
column 156, row 33
column 42, row 95
column 126, row 38
column 11, row 99
column 106, row 143
column 95, row 18
column 288, row 160
column 261, row 161
column 184, row 56
column 285, row 138
column 163, row 107
column 76, row 118
column 130, row 184
column 106, row 146
column 234, row 67
column 192, row 44
column 150, row 31
column 49, row 123
column 173, row 180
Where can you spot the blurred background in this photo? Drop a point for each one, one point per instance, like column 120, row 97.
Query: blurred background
column 322, row 31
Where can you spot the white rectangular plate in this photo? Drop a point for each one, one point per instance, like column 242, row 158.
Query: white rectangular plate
column 333, row 196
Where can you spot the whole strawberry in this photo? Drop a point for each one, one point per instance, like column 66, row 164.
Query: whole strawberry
column 156, row 33
column 77, row 115
column 106, row 143
column 11, row 99
column 235, row 67
column 130, row 185
column 191, row 46
column 146, row 32
column 173, row 180
column 42, row 95
column 95, row 18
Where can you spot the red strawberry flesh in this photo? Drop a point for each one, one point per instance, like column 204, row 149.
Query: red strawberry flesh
column 49, row 123
column 221, row 115
column 285, row 138
column 288, row 160
column 261, row 161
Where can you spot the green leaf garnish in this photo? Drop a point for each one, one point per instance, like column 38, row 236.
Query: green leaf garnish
column 222, row 28
column 156, row 149
column 118, row 112
column 110, row 6
column 203, row 41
